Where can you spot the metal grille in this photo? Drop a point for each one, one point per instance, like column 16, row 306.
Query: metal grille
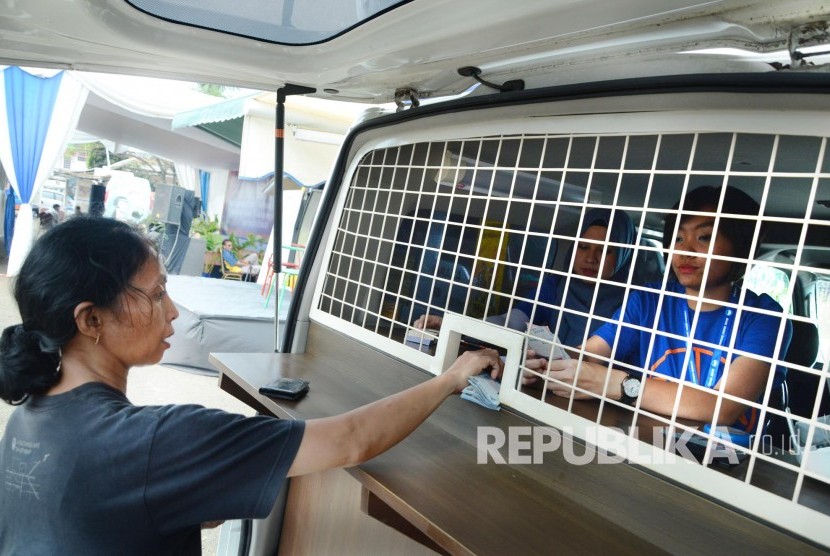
column 474, row 226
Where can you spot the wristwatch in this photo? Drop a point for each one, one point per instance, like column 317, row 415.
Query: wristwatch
column 630, row 389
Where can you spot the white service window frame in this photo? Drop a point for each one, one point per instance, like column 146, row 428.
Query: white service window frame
column 543, row 121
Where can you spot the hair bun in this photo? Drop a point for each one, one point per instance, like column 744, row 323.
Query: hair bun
column 16, row 334
column 27, row 364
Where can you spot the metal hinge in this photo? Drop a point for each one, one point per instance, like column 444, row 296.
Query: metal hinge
column 404, row 96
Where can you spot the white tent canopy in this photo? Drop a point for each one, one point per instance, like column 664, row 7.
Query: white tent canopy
column 105, row 120
column 138, row 112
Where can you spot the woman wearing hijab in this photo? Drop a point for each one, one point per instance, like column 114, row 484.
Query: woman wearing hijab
column 572, row 298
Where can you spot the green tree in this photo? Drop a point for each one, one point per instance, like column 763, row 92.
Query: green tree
column 212, row 89
column 97, row 156
column 154, row 169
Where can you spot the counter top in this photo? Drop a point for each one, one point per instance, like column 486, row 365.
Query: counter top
column 433, row 480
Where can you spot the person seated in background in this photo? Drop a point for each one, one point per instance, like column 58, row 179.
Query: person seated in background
column 588, row 266
column 247, row 265
column 757, row 333
column 88, row 472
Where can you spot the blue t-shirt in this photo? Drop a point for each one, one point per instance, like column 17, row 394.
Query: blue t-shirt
column 87, row 472
column 229, row 258
column 757, row 334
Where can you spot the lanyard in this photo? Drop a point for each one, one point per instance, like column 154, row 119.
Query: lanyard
column 712, row 372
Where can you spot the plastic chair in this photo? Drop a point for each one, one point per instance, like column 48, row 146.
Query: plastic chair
column 269, row 275
column 212, row 265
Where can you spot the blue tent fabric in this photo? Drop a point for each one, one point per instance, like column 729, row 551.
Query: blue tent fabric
column 40, row 114
column 8, row 222
column 29, row 104
column 204, row 182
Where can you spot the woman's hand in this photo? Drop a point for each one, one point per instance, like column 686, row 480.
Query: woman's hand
column 471, row 363
column 432, row 321
column 591, row 377
column 533, row 362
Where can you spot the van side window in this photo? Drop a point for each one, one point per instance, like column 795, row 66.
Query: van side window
column 821, row 313
column 566, row 238
column 774, row 282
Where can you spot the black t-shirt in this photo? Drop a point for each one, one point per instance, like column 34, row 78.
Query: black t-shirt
column 87, row 472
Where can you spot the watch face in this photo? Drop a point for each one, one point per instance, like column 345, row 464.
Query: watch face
column 631, row 387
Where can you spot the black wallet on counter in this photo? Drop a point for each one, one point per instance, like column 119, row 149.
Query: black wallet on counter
column 285, row 388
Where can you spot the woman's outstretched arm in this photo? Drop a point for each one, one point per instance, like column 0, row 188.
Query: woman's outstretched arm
column 361, row 434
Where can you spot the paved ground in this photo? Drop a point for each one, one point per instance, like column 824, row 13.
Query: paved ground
column 147, row 386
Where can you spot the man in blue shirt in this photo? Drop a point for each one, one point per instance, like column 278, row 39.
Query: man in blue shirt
column 247, row 265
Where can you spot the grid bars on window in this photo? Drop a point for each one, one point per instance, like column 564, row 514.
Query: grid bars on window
column 630, row 249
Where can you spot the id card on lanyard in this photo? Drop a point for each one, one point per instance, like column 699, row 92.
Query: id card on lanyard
column 708, row 376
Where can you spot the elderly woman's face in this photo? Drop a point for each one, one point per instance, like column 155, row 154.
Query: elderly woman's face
column 138, row 334
column 588, row 260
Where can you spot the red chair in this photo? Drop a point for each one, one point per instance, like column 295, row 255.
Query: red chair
column 290, row 271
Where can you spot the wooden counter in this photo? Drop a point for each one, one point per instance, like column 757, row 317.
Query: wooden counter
column 432, row 484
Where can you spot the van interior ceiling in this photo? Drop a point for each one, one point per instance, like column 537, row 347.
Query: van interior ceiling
column 496, row 129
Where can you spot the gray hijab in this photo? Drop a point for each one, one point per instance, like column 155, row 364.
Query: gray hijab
column 580, row 294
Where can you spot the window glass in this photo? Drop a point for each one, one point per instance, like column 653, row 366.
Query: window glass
column 771, row 281
column 822, row 315
column 614, row 256
column 279, row 21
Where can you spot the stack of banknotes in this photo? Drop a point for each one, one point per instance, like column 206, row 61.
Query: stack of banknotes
column 482, row 390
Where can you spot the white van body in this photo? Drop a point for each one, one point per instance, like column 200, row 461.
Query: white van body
column 460, row 199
